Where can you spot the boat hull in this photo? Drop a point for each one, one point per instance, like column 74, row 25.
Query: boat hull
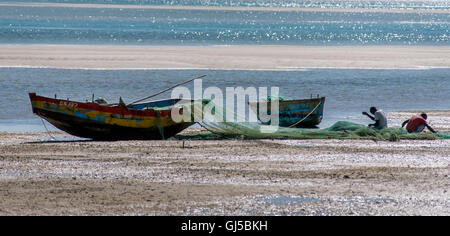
column 94, row 121
column 304, row 113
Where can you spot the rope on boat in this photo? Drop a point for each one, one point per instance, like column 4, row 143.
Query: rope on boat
column 159, row 124
column 165, row 90
column 48, row 131
column 298, row 122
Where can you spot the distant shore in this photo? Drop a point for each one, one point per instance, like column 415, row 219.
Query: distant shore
column 242, row 57
column 217, row 8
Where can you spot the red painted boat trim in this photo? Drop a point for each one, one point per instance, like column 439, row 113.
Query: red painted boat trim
column 97, row 107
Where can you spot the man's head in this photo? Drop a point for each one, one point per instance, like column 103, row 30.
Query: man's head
column 423, row 115
column 373, row 110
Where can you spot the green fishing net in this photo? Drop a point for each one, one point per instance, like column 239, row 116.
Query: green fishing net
column 219, row 126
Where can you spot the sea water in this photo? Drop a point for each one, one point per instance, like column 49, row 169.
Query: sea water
column 21, row 23
column 347, row 91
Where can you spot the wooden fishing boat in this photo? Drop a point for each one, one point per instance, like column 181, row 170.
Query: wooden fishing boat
column 303, row 113
column 151, row 120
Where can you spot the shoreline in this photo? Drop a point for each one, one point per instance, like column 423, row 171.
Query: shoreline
column 235, row 57
column 438, row 120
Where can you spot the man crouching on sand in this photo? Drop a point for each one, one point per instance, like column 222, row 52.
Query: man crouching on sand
column 417, row 123
column 379, row 118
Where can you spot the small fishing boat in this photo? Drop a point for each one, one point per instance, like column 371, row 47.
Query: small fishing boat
column 102, row 121
column 302, row 113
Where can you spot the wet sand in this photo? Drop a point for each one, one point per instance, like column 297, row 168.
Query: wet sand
column 224, row 57
column 223, row 177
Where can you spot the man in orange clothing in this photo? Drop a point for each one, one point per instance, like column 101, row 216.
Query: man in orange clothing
column 417, row 123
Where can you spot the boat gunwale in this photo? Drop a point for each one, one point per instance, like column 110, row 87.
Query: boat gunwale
column 112, row 108
column 311, row 100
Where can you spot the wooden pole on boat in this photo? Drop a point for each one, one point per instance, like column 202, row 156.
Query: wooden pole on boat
column 165, row 90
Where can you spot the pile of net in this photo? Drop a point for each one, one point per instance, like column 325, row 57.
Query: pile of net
column 340, row 130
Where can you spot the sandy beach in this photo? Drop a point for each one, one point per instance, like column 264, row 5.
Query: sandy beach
column 223, row 177
column 39, row 176
column 224, row 57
